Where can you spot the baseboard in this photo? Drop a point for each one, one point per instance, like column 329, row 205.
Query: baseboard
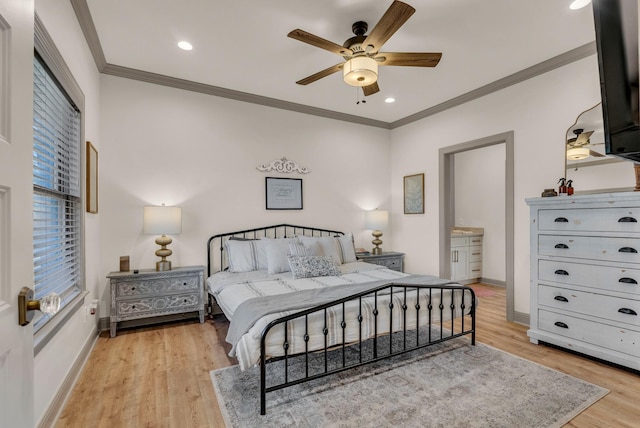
column 52, row 413
column 493, row 282
column 521, row 318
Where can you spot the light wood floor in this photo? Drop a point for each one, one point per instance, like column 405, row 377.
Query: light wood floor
column 159, row 376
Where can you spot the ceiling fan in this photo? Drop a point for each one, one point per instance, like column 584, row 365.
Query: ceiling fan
column 362, row 52
column 578, row 147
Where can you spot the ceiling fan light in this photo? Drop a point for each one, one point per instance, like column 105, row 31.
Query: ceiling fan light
column 360, row 71
column 578, row 153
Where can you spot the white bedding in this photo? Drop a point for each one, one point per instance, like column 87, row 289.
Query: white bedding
column 231, row 289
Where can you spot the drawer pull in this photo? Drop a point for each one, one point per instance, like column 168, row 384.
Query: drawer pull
column 627, row 220
column 562, row 246
column 561, row 220
column 627, row 250
column 560, row 324
column 627, row 311
column 561, row 272
column 561, row 299
column 627, row 281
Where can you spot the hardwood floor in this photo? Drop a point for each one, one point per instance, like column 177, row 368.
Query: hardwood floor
column 159, row 376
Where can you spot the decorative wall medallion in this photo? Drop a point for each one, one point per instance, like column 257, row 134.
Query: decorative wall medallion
column 284, row 166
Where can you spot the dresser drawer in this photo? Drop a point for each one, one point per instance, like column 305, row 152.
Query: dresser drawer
column 590, row 219
column 160, row 285
column 475, row 270
column 598, row 305
column 475, row 253
column 393, row 264
column 159, row 305
column 606, row 278
column 590, row 247
column 600, row 334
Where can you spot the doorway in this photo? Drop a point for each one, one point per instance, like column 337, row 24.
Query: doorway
column 447, row 206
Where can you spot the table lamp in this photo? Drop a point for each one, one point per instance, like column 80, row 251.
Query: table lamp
column 162, row 220
column 376, row 220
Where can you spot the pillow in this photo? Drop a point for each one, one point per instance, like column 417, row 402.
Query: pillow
column 299, row 249
column 277, row 251
column 347, row 248
column 310, row 266
column 327, row 246
column 246, row 255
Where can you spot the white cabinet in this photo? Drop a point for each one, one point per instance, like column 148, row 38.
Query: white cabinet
column 466, row 258
column 585, row 271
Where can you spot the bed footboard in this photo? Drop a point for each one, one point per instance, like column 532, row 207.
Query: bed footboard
column 390, row 320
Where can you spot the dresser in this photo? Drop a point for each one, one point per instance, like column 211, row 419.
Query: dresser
column 149, row 293
column 585, row 275
column 466, row 258
column 392, row 260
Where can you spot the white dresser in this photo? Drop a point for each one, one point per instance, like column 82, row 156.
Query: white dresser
column 585, row 275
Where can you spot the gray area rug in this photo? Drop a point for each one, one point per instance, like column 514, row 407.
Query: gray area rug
column 452, row 384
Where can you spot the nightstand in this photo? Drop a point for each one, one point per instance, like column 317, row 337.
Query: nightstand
column 391, row 260
column 149, row 293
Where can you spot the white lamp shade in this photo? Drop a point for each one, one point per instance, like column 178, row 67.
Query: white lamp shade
column 162, row 220
column 578, row 153
column 376, row 219
column 360, row 71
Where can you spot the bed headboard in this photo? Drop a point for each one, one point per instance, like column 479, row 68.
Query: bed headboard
column 216, row 256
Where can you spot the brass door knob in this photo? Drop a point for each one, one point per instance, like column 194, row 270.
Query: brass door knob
column 49, row 304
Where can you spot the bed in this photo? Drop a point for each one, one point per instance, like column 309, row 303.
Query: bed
column 299, row 293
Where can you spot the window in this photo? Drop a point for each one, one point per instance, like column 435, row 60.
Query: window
column 57, row 201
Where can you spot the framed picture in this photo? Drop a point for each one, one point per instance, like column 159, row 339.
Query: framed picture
column 92, row 179
column 414, row 194
column 284, row 193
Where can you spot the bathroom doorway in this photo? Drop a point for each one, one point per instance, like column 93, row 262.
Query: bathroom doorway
column 447, row 156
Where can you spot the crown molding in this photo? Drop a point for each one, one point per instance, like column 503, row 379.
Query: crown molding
column 88, row 29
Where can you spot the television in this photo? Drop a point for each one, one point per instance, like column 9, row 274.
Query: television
column 616, row 25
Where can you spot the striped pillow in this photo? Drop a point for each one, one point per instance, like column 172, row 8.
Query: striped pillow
column 299, row 249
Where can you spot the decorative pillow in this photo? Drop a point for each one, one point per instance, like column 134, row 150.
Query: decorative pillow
column 327, row 246
column 310, row 266
column 246, row 255
column 347, row 248
column 299, row 249
column 277, row 251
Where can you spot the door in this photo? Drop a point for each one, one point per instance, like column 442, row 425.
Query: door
column 16, row 189
column 459, row 263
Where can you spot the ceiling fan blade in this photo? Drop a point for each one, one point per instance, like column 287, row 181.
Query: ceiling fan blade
column 318, row 42
column 397, row 14
column 319, row 75
column 583, row 138
column 596, row 154
column 371, row 89
column 411, row 59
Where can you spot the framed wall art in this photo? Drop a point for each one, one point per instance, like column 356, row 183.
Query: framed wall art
column 284, row 193
column 92, row 179
column 414, row 194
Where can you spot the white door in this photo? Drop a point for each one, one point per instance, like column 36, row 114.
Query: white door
column 16, row 238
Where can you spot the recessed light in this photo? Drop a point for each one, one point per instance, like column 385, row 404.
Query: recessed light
column 185, row 45
column 390, row 100
column 579, row 4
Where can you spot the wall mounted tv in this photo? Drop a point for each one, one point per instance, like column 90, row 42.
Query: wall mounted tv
column 616, row 25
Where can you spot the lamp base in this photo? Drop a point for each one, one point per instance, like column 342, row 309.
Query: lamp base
column 163, row 265
column 376, row 251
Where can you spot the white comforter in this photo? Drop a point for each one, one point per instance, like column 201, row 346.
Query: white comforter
column 230, row 290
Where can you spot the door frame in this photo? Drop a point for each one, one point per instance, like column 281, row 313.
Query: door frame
column 447, row 206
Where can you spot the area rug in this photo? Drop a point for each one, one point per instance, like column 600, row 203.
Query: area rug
column 453, row 384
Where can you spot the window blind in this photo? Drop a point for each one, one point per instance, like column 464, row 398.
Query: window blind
column 57, row 201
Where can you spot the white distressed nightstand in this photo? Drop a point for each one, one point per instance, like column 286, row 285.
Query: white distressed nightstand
column 149, row 293
column 392, row 260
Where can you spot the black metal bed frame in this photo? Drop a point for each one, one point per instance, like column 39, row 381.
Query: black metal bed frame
column 409, row 339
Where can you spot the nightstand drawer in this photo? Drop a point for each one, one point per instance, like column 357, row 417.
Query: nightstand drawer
column 159, row 305
column 160, row 285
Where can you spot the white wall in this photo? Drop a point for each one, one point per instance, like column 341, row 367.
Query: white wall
column 53, row 363
column 480, row 202
column 539, row 112
column 164, row 145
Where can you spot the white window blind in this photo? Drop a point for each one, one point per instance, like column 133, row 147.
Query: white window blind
column 57, row 201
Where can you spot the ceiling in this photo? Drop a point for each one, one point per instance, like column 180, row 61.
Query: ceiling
column 242, row 46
